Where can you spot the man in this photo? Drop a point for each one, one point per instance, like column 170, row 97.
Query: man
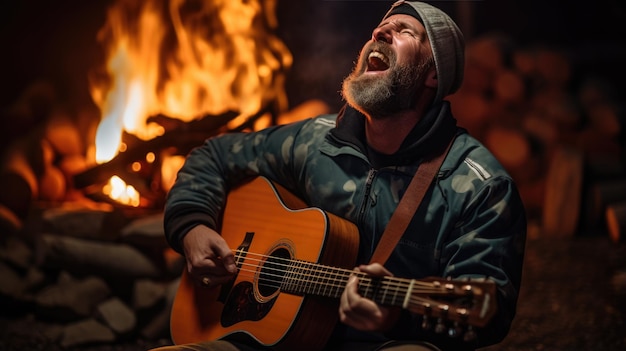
column 357, row 165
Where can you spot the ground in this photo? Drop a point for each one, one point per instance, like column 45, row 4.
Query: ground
column 573, row 298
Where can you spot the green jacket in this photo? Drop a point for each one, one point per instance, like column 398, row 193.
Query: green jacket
column 471, row 223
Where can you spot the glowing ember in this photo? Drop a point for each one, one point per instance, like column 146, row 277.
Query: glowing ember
column 200, row 58
column 117, row 190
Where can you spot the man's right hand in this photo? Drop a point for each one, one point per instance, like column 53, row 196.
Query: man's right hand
column 210, row 261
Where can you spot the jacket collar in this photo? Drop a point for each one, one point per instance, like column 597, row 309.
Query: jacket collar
column 428, row 137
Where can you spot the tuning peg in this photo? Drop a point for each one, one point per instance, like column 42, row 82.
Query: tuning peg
column 440, row 327
column 470, row 334
column 426, row 323
column 455, row 330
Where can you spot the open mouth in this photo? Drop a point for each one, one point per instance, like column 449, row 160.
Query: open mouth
column 377, row 61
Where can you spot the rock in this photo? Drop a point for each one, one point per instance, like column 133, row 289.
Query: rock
column 88, row 331
column 147, row 293
column 104, row 259
column 117, row 315
column 71, row 299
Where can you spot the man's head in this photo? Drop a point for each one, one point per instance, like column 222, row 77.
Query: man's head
column 446, row 41
column 435, row 50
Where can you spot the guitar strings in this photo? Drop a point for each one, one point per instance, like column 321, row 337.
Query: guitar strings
column 331, row 277
column 330, row 281
column 417, row 304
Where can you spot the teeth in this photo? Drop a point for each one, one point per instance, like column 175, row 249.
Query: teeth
column 379, row 56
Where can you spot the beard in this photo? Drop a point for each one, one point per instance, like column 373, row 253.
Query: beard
column 383, row 96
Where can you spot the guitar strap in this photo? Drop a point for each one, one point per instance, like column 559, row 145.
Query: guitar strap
column 408, row 205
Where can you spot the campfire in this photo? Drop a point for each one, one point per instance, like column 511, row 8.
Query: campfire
column 220, row 61
column 83, row 192
column 172, row 74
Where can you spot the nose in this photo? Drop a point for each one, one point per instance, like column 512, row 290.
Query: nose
column 382, row 33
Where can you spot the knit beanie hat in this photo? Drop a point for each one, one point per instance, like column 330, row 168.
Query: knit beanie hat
column 446, row 41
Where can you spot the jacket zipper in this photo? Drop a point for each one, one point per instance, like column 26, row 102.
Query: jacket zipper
column 368, row 188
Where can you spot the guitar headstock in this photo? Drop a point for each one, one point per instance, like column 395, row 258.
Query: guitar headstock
column 466, row 303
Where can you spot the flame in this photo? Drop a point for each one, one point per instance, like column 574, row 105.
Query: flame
column 119, row 191
column 185, row 59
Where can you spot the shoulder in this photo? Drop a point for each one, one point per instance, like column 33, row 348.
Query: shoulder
column 468, row 156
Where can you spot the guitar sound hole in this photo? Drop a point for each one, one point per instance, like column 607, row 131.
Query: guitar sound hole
column 272, row 272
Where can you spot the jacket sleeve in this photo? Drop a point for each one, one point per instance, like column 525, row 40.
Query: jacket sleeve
column 222, row 162
column 488, row 243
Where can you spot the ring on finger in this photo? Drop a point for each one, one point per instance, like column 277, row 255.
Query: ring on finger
column 205, row 281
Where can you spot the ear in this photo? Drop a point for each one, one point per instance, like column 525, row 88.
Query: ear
column 431, row 79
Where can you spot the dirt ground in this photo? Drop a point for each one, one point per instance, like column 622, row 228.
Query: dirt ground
column 573, row 298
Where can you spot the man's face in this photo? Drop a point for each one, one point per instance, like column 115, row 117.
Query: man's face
column 391, row 68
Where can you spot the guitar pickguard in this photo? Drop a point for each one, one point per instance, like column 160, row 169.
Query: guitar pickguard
column 241, row 305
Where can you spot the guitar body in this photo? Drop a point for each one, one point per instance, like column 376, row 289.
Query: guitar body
column 267, row 226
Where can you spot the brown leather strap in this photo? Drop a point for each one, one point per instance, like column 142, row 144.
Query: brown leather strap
column 408, row 206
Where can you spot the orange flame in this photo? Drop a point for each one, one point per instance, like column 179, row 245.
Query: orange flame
column 185, row 59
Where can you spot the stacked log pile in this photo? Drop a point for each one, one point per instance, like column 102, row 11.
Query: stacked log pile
column 91, row 276
column 558, row 131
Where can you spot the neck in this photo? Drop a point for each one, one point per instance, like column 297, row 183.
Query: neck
column 386, row 135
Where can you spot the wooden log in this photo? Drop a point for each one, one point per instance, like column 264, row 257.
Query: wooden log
column 183, row 138
column 18, row 177
column 509, row 87
column 603, row 194
column 605, row 118
column 615, row 215
column 562, row 206
column 63, row 134
column 553, row 67
column 514, row 149
column 471, row 109
column 557, row 106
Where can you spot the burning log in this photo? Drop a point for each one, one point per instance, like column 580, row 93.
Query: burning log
column 182, row 136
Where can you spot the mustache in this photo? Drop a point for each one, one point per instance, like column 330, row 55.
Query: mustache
column 379, row 46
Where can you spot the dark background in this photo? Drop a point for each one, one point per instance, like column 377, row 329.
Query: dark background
column 55, row 41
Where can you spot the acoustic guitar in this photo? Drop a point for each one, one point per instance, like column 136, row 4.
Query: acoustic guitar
column 293, row 264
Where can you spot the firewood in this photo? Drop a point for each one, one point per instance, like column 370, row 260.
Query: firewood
column 605, row 119
column 533, row 194
column 18, row 177
column 488, row 51
column 10, row 223
column 471, row 110
column 603, row 194
column 63, row 134
column 544, row 130
column 183, row 138
column 509, row 87
column 510, row 146
column 553, row 67
column 557, row 106
column 562, row 205
column 52, row 185
column 615, row 215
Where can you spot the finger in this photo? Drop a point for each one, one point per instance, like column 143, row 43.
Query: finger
column 227, row 259
column 375, row 269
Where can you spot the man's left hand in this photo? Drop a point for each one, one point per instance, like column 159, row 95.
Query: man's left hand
column 362, row 313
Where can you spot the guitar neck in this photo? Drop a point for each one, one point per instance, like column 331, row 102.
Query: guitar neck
column 466, row 302
column 305, row 278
